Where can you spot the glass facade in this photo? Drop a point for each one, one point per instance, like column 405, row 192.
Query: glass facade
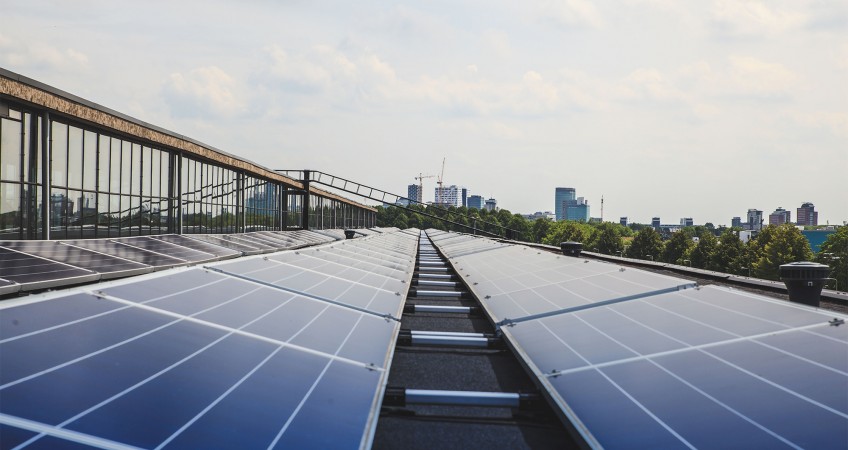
column 102, row 184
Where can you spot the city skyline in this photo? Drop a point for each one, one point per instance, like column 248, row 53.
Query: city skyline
column 701, row 109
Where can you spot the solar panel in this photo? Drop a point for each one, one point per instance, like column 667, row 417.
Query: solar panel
column 32, row 272
column 316, row 284
column 227, row 242
column 110, row 247
column 193, row 358
column 166, row 248
column 218, row 251
column 108, row 266
column 693, row 367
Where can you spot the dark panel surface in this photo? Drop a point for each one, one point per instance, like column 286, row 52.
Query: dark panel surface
column 79, row 257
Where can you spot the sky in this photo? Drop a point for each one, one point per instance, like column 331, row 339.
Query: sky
column 668, row 108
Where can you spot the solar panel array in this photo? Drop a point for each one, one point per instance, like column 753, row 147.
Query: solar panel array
column 36, row 265
column 634, row 359
column 285, row 350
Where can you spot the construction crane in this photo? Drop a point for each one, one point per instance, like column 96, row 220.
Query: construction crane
column 442, row 174
column 440, row 181
column 420, row 179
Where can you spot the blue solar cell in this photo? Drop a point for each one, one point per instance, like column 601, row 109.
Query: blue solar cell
column 98, row 376
column 795, row 419
column 11, row 437
column 351, row 391
column 32, row 354
column 609, row 415
column 22, row 319
column 254, row 413
column 683, row 409
column 161, row 406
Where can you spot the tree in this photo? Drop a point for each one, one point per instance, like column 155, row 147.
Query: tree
column 608, row 240
column 540, row 229
column 647, row 244
column 678, row 247
column 728, row 254
column 567, row 230
column 785, row 245
column 834, row 253
column 701, row 253
column 520, row 225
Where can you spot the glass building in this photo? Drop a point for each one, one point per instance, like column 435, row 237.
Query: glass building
column 561, row 197
column 73, row 169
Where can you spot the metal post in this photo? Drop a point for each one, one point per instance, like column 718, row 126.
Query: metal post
column 175, row 194
column 46, row 164
column 304, row 218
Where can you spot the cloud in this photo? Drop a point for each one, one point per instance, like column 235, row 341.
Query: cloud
column 39, row 56
column 204, row 92
column 836, row 122
column 753, row 18
column 572, row 13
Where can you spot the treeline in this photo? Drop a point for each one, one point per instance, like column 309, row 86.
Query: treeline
column 718, row 250
column 461, row 219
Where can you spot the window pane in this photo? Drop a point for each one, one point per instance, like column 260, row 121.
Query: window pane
column 59, row 155
column 74, row 204
column 115, row 171
column 89, row 162
column 61, row 209
column 74, row 157
column 155, row 172
column 10, row 150
column 103, row 165
column 137, row 169
column 10, row 210
column 126, row 167
column 144, row 173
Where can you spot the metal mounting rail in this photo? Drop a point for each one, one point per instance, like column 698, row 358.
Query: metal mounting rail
column 411, row 309
column 396, row 396
column 511, row 322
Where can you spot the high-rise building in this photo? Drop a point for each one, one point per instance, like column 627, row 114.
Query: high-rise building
column 687, row 222
column 447, row 196
column 807, row 214
column 780, row 216
column 655, row 222
column 491, row 205
column 475, row 201
column 623, row 221
column 577, row 210
column 561, row 196
column 413, row 192
column 465, row 197
column 755, row 219
column 736, row 222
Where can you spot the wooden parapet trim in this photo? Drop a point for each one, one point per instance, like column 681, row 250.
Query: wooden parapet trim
column 330, row 195
column 30, row 91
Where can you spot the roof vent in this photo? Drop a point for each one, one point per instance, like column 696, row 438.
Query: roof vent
column 571, row 248
column 349, row 234
column 804, row 281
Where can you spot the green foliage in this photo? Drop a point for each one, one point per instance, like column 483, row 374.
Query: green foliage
column 834, row 253
column 700, row 255
column 777, row 245
column 647, row 244
column 678, row 247
column 608, row 239
column 728, row 255
column 568, row 230
column 540, row 229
